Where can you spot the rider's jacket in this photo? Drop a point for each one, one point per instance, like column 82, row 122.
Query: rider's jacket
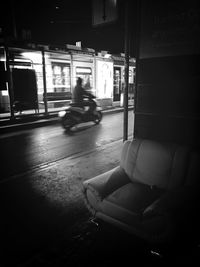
column 79, row 93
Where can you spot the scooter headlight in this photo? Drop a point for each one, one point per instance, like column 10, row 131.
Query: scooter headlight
column 61, row 113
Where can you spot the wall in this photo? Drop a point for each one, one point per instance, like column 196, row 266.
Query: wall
column 168, row 74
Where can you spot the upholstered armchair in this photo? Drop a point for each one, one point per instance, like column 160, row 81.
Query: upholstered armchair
column 152, row 192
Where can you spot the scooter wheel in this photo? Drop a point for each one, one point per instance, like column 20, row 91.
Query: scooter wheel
column 98, row 117
column 67, row 124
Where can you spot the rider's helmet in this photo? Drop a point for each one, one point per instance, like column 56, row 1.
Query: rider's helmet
column 79, row 80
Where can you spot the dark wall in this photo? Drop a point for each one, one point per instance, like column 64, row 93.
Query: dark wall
column 168, row 78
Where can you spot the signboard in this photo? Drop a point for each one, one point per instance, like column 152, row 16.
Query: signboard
column 104, row 11
column 78, row 43
column 104, row 79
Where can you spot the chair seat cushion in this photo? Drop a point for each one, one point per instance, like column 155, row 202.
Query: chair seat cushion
column 128, row 202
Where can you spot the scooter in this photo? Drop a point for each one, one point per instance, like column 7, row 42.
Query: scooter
column 74, row 114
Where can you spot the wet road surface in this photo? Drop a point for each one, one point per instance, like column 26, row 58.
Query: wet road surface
column 30, row 149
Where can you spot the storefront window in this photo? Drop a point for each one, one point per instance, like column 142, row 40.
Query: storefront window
column 61, row 77
column 86, row 74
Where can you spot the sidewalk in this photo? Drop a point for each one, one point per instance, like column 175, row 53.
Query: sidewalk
column 28, row 122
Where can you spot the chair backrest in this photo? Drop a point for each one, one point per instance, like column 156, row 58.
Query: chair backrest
column 155, row 163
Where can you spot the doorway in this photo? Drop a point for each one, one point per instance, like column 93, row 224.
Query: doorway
column 117, row 84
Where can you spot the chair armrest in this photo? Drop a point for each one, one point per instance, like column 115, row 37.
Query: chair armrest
column 104, row 184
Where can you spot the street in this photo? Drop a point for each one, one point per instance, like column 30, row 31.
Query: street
column 43, row 170
column 27, row 150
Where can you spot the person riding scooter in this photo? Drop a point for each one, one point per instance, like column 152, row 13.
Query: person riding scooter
column 75, row 113
column 78, row 95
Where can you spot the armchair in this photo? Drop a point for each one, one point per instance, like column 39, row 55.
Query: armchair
column 152, row 191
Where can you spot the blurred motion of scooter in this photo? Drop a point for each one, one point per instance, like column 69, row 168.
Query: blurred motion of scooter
column 74, row 114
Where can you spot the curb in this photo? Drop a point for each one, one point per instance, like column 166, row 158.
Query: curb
column 48, row 121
